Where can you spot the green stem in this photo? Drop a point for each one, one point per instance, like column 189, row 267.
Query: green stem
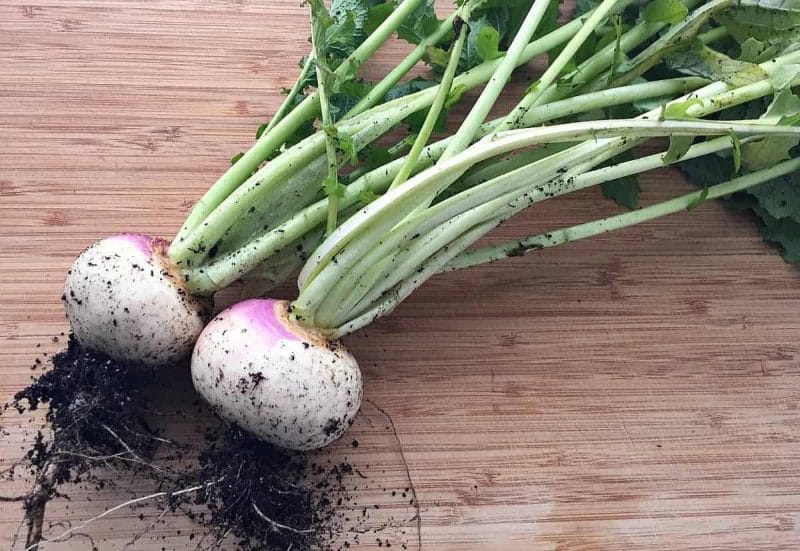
column 399, row 294
column 676, row 38
column 288, row 103
column 597, row 227
column 379, row 91
column 412, row 159
column 477, row 115
column 270, row 141
column 331, row 183
column 548, row 78
column 359, row 240
column 587, row 71
column 192, row 251
column 230, row 267
column 583, row 181
column 368, row 229
column 437, row 230
column 225, row 270
column 444, row 257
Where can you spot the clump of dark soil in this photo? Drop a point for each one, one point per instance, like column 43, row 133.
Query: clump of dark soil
column 269, row 498
column 234, row 486
column 93, row 416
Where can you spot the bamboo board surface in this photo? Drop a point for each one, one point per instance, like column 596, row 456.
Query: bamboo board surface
column 640, row 391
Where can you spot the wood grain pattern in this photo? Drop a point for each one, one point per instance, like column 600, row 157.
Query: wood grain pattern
column 640, row 391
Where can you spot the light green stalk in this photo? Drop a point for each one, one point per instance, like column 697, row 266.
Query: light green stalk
column 437, row 262
column 521, row 196
column 288, row 102
column 332, row 179
column 380, row 90
column 270, row 141
column 548, row 78
column 480, row 110
column 192, row 251
column 368, row 229
column 589, row 229
column 412, row 159
column 230, row 267
column 363, row 231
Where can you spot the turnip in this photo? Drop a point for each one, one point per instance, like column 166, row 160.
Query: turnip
column 275, row 378
column 124, row 296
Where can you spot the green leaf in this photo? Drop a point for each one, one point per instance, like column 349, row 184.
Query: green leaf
column 376, row 156
column 776, row 203
column 236, row 158
column 340, row 31
column 737, row 153
column 436, row 57
column 261, row 129
column 783, row 76
column 415, row 121
column 778, row 15
column 346, row 95
column 487, row 43
column 774, row 24
column 780, row 198
column 377, row 15
column 333, row 187
column 702, row 61
column 332, row 35
column 367, row 196
column 678, row 146
column 507, row 15
column 707, row 171
column 786, row 233
column 454, row 96
column 421, row 23
column 624, row 192
column 359, row 11
column 470, row 55
column 680, row 109
column 584, row 6
column 755, row 51
column 665, row 11
column 702, row 198
column 784, row 109
column 345, row 144
column 409, row 87
column 766, row 152
column 331, row 131
column 674, row 39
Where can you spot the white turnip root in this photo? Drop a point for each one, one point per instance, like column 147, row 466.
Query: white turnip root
column 125, row 298
column 274, row 378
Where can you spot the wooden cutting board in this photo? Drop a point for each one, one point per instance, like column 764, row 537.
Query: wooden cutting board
column 639, row 391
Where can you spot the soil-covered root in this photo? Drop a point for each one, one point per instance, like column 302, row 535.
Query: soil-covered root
column 94, row 418
column 270, row 499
